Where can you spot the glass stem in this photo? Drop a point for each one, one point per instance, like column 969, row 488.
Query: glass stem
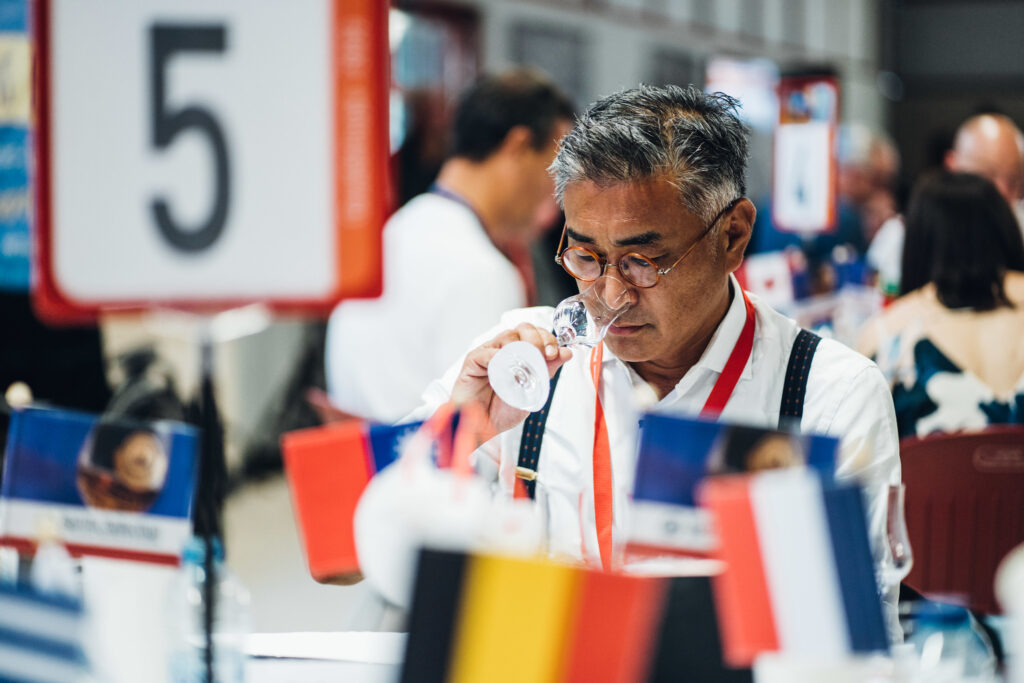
column 523, row 375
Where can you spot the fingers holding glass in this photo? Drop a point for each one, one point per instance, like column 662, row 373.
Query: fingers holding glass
column 519, row 371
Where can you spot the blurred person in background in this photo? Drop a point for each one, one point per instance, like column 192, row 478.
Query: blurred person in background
column 951, row 342
column 868, row 164
column 992, row 146
column 425, row 143
column 868, row 168
column 989, row 145
column 652, row 181
column 457, row 256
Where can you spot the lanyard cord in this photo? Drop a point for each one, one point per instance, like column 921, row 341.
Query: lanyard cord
column 602, row 463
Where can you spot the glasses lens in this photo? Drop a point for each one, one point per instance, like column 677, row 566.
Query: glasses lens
column 581, row 264
column 638, row 270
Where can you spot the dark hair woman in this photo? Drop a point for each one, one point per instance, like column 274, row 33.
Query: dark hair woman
column 962, row 237
column 951, row 343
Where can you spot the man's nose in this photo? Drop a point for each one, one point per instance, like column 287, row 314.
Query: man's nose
column 613, row 290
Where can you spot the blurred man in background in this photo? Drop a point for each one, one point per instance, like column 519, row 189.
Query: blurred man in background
column 868, row 166
column 457, row 256
column 989, row 145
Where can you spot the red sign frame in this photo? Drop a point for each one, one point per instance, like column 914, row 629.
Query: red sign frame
column 359, row 249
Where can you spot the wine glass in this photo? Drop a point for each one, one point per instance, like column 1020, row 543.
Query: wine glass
column 895, row 568
column 518, row 372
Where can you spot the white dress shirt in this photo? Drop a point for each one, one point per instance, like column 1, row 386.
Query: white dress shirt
column 885, row 254
column 847, row 397
column 444, row 283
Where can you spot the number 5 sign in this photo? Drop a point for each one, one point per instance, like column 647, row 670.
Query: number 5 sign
column 209, row 153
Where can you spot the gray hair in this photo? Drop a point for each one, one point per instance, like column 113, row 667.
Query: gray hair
column 694, row 138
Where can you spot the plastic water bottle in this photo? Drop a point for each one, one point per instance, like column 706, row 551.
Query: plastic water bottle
column 950, row 645
column 54, row 571
column 186, row 605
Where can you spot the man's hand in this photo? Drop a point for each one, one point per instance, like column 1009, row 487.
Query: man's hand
column 472, row 383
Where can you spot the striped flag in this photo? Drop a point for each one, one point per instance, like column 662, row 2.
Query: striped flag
column 41, row 637
column 799, row 576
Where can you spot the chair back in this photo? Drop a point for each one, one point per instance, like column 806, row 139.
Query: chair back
column 964, row 510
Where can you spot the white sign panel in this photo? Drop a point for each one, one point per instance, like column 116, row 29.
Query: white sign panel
column 194, row 148
column 803, row 176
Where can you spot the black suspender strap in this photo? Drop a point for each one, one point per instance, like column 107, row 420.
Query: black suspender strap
column 792, row 407
column 529, row 445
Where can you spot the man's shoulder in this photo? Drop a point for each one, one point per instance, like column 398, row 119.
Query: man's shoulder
column 837, row 359
column 844, row 387
column 440, row 235
column 829, row 354
column 835, row 369
column 432, row 215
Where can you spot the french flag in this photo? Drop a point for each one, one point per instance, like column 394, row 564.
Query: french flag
column 799, row 577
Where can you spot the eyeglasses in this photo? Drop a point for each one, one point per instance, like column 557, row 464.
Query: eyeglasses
column 637, row 269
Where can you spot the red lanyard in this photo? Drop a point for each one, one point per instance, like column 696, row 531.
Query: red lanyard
column 713, row 407
column 723, row 388
column 602, row 466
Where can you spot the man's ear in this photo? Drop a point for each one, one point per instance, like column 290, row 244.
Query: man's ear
column 519, row 139
column 736, row 233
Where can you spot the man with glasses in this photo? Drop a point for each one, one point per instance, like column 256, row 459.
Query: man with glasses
column 458, row 255
column 652, row 184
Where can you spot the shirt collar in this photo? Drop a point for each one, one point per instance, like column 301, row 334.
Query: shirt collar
column 722, row 341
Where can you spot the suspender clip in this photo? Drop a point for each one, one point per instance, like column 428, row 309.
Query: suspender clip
column 526, row 474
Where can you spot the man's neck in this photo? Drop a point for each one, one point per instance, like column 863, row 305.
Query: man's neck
column 474, row 182
column 664, row 374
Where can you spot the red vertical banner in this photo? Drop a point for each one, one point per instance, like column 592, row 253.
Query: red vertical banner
column 361, row 81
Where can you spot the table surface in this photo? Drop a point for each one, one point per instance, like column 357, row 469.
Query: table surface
column 318, row 671
column 315, row 657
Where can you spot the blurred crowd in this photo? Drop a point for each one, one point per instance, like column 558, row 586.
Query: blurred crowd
column 924, row 275
column 920, row 274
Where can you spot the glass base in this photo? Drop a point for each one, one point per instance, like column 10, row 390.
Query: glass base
column 518, row 375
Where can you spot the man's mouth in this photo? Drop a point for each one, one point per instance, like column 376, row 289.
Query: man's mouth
column 625, row 330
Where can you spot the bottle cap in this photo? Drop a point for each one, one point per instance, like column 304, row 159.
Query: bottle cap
column 195, row 551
